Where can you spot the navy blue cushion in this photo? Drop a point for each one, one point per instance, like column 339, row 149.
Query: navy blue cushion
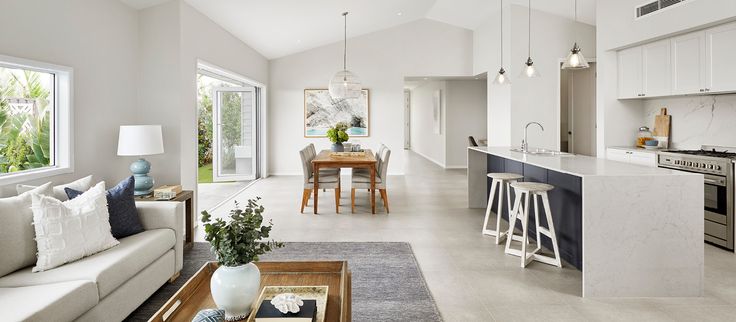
column 124, row 219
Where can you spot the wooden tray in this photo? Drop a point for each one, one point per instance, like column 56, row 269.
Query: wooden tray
column 195, row 294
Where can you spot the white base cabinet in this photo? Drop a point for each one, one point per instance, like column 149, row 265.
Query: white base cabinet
column 632, row 156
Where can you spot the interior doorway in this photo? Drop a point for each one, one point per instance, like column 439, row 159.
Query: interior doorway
column 229, row 134
column 578, row 111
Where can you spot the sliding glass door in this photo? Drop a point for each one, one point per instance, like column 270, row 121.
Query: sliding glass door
column 234, row 134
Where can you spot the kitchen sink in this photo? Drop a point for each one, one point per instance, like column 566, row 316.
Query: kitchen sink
column 542, row 152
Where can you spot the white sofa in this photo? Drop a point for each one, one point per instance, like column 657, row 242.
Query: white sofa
column 106, row 286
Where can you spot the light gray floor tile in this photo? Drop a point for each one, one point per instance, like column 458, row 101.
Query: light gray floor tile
column 470, row 277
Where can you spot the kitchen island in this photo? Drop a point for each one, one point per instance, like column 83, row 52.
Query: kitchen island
column 634, row 231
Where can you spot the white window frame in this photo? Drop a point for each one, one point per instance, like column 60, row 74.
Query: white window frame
column 62, row 125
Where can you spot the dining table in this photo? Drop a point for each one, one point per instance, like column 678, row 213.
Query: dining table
column 355, row 160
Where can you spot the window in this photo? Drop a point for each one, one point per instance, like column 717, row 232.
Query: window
column 35, row 110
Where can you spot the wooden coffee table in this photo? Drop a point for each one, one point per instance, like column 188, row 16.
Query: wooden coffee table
column 195, row 294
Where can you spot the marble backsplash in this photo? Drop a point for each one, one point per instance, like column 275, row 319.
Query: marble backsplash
column 697, row 120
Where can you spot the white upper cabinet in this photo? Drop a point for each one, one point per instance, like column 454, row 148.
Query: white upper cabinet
column 630, row 73
column 688, row 63
column 701, row 62
column 657, row 69
column 720, row 54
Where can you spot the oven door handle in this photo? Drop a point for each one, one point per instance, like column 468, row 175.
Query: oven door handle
column 717, row 181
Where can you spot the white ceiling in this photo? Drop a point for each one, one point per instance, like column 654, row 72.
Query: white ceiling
column 277, row 28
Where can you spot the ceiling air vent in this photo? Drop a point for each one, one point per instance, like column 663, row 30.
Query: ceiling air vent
column 654, row 6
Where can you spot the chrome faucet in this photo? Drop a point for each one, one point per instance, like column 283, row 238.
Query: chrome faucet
column 525, row 142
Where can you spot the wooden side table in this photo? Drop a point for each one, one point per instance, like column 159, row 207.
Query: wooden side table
column 186, row 197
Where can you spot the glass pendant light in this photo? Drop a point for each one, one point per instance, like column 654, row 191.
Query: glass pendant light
column 575, row 59
column 345, row 84
column 529, row 69
column 501, row 78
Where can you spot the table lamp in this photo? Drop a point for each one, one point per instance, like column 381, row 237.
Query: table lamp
column 140, row 140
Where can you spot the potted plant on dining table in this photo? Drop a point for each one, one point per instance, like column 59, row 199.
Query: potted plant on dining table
column 337, row 135
column 237, row 243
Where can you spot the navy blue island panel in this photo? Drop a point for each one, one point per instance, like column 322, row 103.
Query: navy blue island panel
column 566, row 203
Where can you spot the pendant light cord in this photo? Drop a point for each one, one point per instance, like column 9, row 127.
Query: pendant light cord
column 345, row 42
column 501, row 33
column 529, row 46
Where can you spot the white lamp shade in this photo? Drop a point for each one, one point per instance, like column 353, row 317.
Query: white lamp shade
column 139, row 140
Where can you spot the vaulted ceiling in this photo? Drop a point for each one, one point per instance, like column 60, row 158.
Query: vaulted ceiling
column 277, row 28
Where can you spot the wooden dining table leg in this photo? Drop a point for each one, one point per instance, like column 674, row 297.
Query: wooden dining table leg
column 316, row 186
column 373, row 189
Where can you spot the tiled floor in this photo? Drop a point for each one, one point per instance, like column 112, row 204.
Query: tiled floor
column 212, row 194
column 469, row 276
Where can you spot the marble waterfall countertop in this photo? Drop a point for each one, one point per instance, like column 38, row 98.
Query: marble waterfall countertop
column 636, row 231
column 579, row 165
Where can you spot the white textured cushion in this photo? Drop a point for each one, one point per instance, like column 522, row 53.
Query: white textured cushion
column 17, row 246
column 82, row 184
column 69, row 230
column 50, row 302
column 109, row 269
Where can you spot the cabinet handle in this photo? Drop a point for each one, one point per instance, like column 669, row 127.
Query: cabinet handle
column 707, row 89
column 702, row 90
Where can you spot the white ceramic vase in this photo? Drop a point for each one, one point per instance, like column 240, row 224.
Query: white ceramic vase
column 235, row 288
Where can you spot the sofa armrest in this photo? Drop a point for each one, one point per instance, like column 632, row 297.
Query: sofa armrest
column 165, row 214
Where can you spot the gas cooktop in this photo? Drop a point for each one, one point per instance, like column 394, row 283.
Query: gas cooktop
column 708, row 153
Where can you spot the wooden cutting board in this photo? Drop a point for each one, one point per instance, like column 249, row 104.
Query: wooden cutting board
column 662, row 128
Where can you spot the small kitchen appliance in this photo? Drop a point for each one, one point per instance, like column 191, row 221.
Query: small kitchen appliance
column 716, row 163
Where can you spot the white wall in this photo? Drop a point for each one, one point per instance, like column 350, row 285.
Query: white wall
column 616, row 27
column 487, row 58
column 381, row 60
column 697, row 120
column 537, row 99
column 159, row 95
column 173, row 37
column 424, row 140
column 466, row 109
column 510, row 107
column 102, row 49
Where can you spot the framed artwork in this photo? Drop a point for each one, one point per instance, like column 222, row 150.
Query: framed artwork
column 322, row 111
column 437, row 111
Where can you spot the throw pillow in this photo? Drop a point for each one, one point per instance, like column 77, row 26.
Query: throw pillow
column 124, row 218
column 82, row 184
column 69, row 230
column 17, row 246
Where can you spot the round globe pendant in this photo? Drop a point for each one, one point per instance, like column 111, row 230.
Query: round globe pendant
column 345, row 85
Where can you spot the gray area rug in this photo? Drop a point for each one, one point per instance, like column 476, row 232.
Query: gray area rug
column 387, row 283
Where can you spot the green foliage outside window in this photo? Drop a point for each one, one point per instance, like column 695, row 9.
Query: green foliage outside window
column 25, row 138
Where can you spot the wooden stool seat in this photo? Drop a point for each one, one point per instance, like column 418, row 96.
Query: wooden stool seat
column 535, row 190
column 505, row 176
column 500, row 180
column 532, row 186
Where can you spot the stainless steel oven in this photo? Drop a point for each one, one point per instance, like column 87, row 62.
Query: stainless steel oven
column 718, row 188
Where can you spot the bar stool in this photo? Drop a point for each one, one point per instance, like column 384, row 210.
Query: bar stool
column 521, row 213
column 499, row 181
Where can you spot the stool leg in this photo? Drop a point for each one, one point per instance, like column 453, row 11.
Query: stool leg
column 550, row 224
column 486, row 231
column 536, row 221
column 525, row 233
column 512, row 222
column 499, row 234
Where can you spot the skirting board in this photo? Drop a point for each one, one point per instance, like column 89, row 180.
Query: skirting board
column 430, row 159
